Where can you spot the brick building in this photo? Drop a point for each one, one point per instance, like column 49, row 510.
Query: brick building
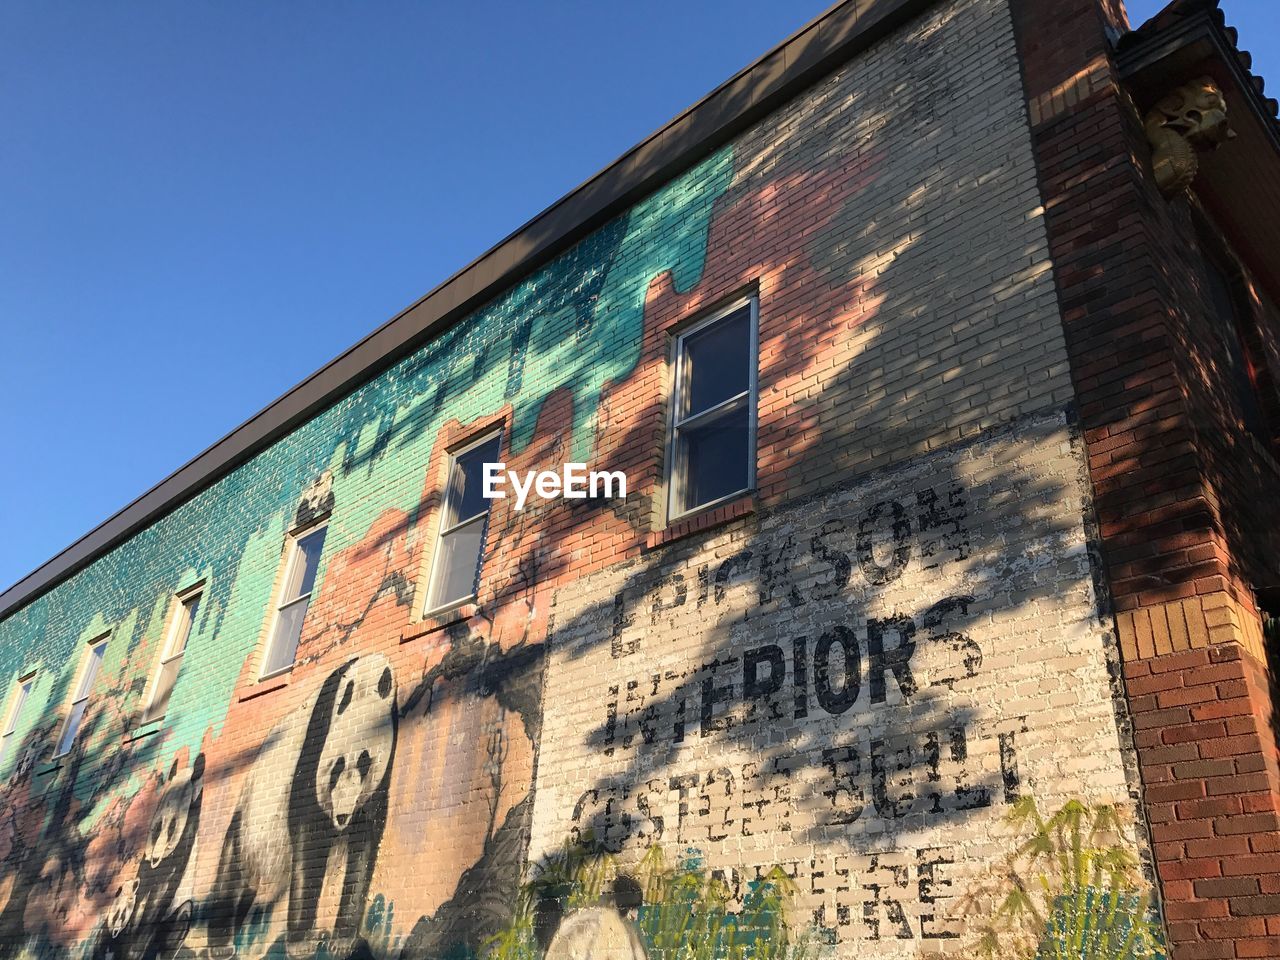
column 939, row 349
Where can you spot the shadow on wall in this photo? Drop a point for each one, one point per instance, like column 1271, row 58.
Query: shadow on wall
column 825, row 650
column 81, row 855
column 836, row 632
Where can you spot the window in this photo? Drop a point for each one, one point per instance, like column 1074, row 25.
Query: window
column 713, row 434
column 1228, row 301
column 25, row 686
column 175, row 645
column 295, row 595
column 88, row 674
column 455, row 568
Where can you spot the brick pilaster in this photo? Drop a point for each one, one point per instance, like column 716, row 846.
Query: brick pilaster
column 1190, row 635
column 1211, row 783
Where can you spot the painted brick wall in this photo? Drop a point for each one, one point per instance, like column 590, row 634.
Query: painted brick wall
column 854, row 688
column 916, row 449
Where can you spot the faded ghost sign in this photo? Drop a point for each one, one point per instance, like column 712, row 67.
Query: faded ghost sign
column 854, row 688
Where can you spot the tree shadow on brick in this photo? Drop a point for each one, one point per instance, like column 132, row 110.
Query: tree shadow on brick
column 922, row 519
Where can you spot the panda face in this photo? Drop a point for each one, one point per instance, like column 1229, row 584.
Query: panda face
column 169, row 822
column 361, row 737
column 121, row 910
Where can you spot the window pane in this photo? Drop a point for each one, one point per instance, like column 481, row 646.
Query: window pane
column 16, row 712
column 72, row 728
column 91, row 671
column 190, row 607
column 284, row 644
column 457, row 564
column 466, row 485
column 715, row 458
column 302, row 578
column 165, row 680
column 717, row 363
column 1225, row 305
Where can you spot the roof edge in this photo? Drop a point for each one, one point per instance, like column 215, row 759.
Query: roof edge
column 1183, row 23
column 813, row 51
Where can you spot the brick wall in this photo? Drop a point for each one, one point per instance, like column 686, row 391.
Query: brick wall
column 1183, row 493
column 1210, row 788
column 854, row 688
column 922, row 515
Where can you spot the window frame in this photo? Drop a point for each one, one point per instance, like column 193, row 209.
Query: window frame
column 673, row 474
column 288, row 563
column 433, row 573
column 176, row 618
column 83, row 691
column 1243, row 327
column 1235, row 331
column 23, row 686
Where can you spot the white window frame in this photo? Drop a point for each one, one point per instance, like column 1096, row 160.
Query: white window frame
column 85, row 679
column 179, row 619
column 432, row 610
column 289, row 562
column 18, row 696
column 750, row 396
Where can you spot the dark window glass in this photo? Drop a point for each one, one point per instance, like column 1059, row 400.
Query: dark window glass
column 715, row 457
column 466, row 485
column 459, row 560
column 309, row 549
column 294, row 600
column 713, row 449
column 1226, row 305
column 460, row 547
column 88, row 674
column 15, row 712
column 171, row 657
column 718, row 362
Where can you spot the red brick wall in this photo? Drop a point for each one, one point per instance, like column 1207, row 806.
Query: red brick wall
column 1209, row 769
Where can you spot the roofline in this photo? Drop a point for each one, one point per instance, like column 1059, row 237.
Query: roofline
column 1201, row 22
column 812, row 52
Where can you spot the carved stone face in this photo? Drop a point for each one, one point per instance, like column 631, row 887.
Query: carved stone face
column 1198, row 111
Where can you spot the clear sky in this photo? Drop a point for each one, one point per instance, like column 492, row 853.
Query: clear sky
column 203, row 202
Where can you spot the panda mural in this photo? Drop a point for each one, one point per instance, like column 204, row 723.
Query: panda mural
column 170, row 843
column 322, row 821
column 113, row 935
column 143, row 922
column 120, row 913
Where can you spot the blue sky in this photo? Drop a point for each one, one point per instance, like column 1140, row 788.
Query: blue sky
column 204, row 202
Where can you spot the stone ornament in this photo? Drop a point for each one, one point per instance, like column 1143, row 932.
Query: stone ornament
column 1190, row 119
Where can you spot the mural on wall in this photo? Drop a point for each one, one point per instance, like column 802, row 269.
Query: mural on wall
column 852, row 689
column 312, row 810
column 285, row 854
column 146, row 919
column 479, row 687
column 381, row 802
column 580, row 903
